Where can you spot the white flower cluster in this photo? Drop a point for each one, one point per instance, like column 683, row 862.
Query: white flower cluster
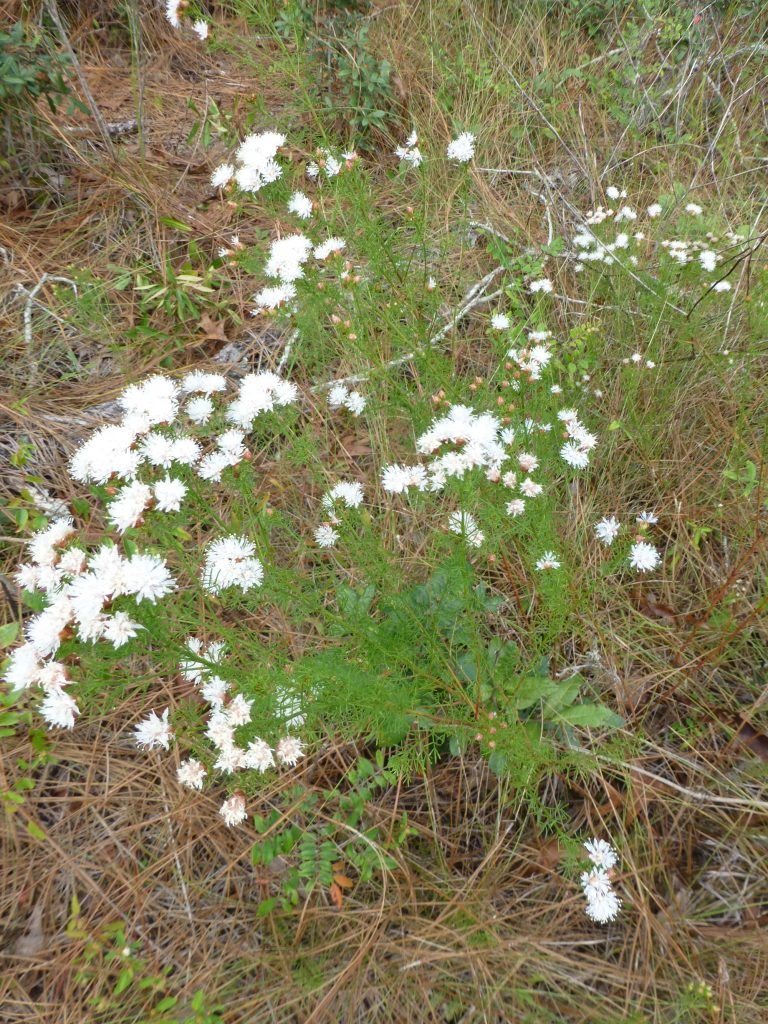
column 348, row 493
column 462, row 148
column 409, row 152
column 225, row 715
column 126, row 449
column 340, row 397
column 535, row 356
column 643, row 555
column 84, row 589
column 580, row 441
column 260, row 393
column 287, row 257
column 329, row 164
column 590, row 248
column 543, row 285
column 465, row 525
column 463, row 440
column 231, row 562
column 603, row 904
column 255, row 166
column 80, row 589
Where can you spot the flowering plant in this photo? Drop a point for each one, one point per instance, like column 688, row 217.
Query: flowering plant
column 184, row 557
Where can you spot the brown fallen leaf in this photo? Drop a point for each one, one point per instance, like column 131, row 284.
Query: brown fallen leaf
column 355, row 446
column 337, row 897
column 33, row 940
column 653, row 609
column 343, row 881
column 544, row 857
column 214, row 329
column 747, row 736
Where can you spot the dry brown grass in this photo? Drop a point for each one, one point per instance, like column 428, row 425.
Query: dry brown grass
column 477, row 913
column 479, row 921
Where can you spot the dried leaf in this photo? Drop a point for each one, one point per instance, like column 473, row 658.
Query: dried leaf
column 355, row 445
column 33, row 940
column 337, row 897
column 343, row 881
column 653, row 609
column 214, row 329
column 755, row 741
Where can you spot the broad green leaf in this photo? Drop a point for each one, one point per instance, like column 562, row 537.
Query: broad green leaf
column 497, row 762
column 563, row 694
column 528, row 691
column 592, row 716
column 8, row 634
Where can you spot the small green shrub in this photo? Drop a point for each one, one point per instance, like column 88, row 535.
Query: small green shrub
column 29, row 68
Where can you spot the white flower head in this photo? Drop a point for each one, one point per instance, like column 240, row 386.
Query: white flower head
column 604, row 907
column 601, row 853
column 147, row 577
column 326, row 536
column 530, row 488
column 465, row 524
column 410, row 152
column 172, row 12
column 289, row 750
column 199, row 409
column 644, row 556
column 607, row 529
column 462, row 148
column 233, row 810
column 541, row 285
column 154, row 731
column 708, row 260
column 231, row 562
column 355, row 402
column 170, row 493
column 59, row 709
column 191, row 773
column 548, row 560
column 301, row 205
column 259, row 756
column 222, row 175
column 329, row 247
column 348, row 492
column 287, row 257
column 23, row 667
column 120, row 628
column 574, row 454
column 272, row 297
column 396, row 479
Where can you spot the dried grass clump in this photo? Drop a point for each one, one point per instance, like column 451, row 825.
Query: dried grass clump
column 476, row 914
column 482, row 919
